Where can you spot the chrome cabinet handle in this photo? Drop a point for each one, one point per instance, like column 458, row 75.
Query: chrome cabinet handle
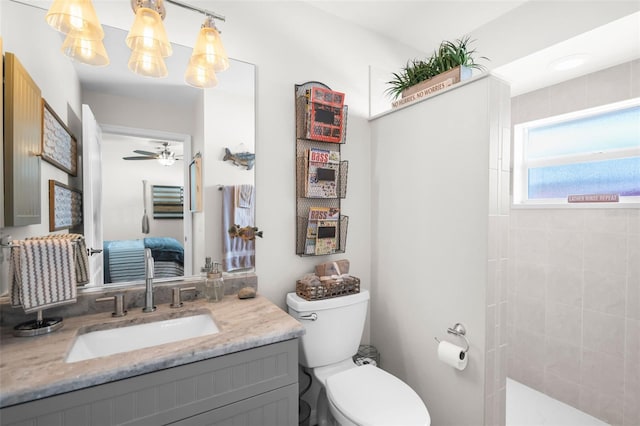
column 310, row 317
column 91, row 251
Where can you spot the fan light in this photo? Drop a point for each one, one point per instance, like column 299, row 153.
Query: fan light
column 167, row 158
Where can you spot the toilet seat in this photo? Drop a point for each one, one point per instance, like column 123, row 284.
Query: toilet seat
column 370, row 396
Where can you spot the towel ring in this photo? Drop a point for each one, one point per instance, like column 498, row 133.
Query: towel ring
column 458, row 330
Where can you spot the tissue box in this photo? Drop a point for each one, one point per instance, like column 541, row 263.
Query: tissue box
column 329, row 268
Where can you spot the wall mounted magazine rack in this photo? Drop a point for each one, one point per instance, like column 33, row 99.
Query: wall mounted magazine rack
column 321, row 173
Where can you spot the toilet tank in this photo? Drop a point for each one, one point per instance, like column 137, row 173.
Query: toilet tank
column 335, row 334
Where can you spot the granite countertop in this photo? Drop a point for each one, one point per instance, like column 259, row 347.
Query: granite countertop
column 34, row 367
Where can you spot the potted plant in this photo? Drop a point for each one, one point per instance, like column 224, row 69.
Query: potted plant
column 457, row 56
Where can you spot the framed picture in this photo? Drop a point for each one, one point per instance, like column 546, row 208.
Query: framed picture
column 65, row 206
column 195, row 184
column 59, row 146
column 167, row 201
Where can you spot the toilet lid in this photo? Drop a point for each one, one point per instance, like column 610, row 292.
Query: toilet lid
column 369, row 396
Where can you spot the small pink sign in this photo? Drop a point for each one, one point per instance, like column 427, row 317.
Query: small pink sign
column 594, row 198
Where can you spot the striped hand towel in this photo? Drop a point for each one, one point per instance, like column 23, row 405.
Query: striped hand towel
column 43, row 275
column 80, row 254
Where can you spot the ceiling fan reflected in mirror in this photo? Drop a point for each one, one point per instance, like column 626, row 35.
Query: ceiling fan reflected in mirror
column 165, row 156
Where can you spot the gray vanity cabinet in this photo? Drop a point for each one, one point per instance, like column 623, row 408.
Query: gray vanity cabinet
column 253, row 387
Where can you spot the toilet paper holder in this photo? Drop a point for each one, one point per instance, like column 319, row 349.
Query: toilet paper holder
column 460, row 331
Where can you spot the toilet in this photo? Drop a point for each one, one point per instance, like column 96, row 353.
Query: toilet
column 351, row 394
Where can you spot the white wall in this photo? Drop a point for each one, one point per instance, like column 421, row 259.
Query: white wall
column 229, row 123
column 122, row 195
column 434, row 240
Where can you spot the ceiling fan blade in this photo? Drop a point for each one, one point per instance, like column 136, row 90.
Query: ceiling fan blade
column 153, row 154
column 138, row 158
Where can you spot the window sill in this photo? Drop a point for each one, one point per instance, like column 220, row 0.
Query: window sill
column 564, row 205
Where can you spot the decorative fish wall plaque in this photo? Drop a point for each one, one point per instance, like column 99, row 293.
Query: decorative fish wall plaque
column 243, row 159
column 246, row 233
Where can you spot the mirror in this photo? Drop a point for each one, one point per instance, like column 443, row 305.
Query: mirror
column 139, row 114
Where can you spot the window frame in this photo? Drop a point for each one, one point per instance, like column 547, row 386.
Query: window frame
column 521, row 165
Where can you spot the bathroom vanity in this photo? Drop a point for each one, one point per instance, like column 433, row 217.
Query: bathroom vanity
column 247, row 372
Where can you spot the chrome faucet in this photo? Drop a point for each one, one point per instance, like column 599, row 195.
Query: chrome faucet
column 148, row 280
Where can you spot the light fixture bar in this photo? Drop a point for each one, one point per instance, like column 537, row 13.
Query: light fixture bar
column 197, row 9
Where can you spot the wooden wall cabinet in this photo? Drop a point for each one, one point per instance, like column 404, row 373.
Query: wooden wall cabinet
column 22, row 137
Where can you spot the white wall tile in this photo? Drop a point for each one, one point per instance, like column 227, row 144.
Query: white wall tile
column 566, row 248
column 603, row 372
column 564, row 285
column 606, row 220
column 605, row 252
column 631, row 409
column 565, row 219
column 632, row 352
column 563, row 359
column 564, row 322
column 603, row 333
column 601, row 405
column 531, row 245
column 609, row 85
column 530, row 279
column 605, row 292
column 561, row 389
column 529, row 314
column 568, row 96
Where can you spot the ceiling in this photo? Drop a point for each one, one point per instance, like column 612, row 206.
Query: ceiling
column 423, row 24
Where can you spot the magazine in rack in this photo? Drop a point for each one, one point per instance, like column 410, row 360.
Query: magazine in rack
column 322, row 230
column 322, row 168
column 325, row 115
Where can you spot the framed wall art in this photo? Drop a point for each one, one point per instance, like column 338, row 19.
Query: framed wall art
column 59, row 146
column 65, row 206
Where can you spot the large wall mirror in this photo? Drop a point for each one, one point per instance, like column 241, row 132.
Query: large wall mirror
column 145, row 199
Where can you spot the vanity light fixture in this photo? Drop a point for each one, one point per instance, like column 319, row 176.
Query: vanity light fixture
column 78, row 20
column 90, row 52
column 147, row 39
column 76, row 16
column 208, row 57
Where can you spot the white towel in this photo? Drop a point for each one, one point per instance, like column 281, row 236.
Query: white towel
column 80, row 254
column 237, row 253
column 243, row 208
column 244, row 196
column 43, row 274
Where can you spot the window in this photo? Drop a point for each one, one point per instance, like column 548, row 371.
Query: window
column 595, row 151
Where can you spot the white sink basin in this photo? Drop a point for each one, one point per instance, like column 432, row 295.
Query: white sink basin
column 100, row 343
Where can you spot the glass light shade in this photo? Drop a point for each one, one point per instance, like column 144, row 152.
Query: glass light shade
column 90, row 52
column 75, row 16
column 148, row 63
column 167, row 158
column 198, row 76
column 147, row 32
column 209, row 51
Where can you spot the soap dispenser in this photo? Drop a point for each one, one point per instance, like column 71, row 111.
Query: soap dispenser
column 214, row 285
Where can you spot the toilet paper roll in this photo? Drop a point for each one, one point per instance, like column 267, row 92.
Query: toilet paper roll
column 452, row 355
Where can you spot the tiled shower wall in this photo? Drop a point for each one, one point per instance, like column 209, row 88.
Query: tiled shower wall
column 574, row 274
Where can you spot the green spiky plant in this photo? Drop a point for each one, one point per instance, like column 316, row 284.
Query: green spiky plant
column 448, row 55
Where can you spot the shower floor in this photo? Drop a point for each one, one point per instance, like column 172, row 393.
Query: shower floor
column 528, row 407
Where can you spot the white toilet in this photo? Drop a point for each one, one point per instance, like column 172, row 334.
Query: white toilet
column 354, row 395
